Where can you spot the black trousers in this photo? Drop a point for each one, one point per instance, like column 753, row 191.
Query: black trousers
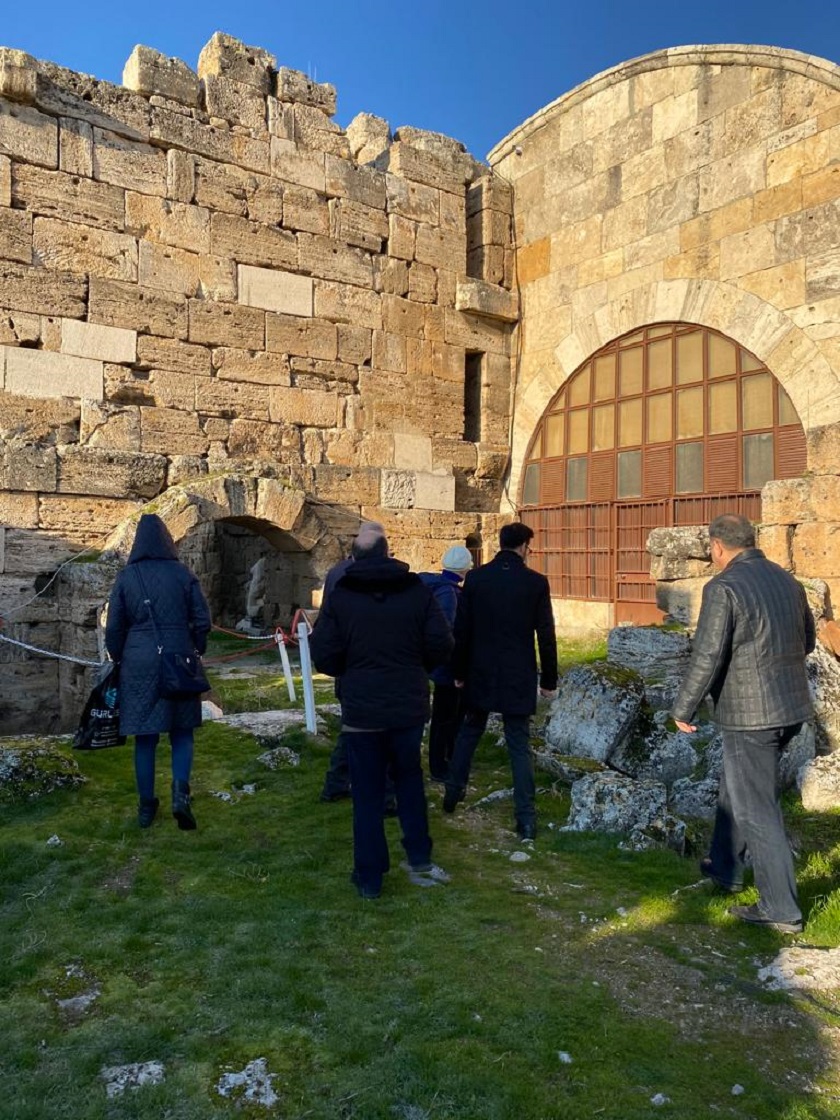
column 447, row 713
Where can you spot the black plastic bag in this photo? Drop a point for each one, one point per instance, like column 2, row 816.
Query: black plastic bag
column 100, row 723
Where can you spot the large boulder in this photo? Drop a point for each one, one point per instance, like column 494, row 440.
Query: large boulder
column 660, row 755
column 819, row 783
column 824, row 679
column 697, row 799
column 610, row 802
column 651, row 651
column 596, row 707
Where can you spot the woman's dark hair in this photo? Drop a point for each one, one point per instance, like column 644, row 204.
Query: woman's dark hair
column 733, row 531
column 515, row 535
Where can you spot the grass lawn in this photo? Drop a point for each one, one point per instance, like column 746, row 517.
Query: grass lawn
column 244, row 940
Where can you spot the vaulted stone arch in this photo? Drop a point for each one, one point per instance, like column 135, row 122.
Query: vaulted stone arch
column 767, row 332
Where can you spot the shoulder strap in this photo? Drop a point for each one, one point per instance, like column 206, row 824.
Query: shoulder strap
column 148, row 603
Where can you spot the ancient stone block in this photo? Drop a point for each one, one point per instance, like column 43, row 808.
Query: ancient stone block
column 328, row 259
column 816, row 550
column 302, row 406
column 364, row 185
column 412, row 200
column 295, row 86
column 787, row 501
column 356, row 486
column 437, row 166
column 172, row 129
column 413, row 453
column 305, row 209
column 358, row 224
column 148, row 71
column 245, row 365
column 15, row 235
column 167, row 222
column 390, row 276
column 168, row 431
column 226, row 324
column 304, row 169
column 823, row 449
column 490, row 192
column 18, row 510
column 283, row 292
column 167, row 389
column 18, row 75
column 281, row 119
column 440, row 249
column 180, row 175
column 119, row 304
column 5, row 181
column 230, row 58
column 106, row 344
column 252, row 243
column 235, row 102
column 368, row 136
column 308, row 338
column 217, row 396
column 354, row 343
column 314, row 130
column 27, row 468
column 486, row 300
column 39, row 373
column 66, row 245
column 257, row 440
column 402, row 234
column 75, row 147
column 119, row 474
column 128, row 164
column 265, row 201
column 42, row 291
column 315, row 373
column 112, row 426
column 164, row 268
column 28, row 135
column 68, row 197
column 220, row 187
column 422, row 282
column 466, row 330
column 339, row 303
column 217, row 278
column 775, row 542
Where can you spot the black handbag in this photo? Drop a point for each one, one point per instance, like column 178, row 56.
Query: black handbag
column 180, row 675
column 99, row 726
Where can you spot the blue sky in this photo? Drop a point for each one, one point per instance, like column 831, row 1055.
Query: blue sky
column 472, row 70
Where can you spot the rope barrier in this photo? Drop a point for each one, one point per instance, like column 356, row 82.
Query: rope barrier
column 48, row 653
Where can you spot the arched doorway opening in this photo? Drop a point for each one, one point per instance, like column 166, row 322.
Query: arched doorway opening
column 669, row 425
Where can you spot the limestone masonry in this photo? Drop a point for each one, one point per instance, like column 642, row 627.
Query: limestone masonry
column 215, row 300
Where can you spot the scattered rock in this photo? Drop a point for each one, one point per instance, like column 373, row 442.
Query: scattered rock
column 253, row 1083
column 660, row 1099
column 737, row 1090
column 650, row 651
column 819, row 783
column 519, row 857
column 492, row 798
column 695, row 799
column 279, row 757
column 614, row 803
column 75, row 1006
column 119, row 1078
column 210, row 711
column 565, row 1057
column 596, row 707
column 29, row 769
column 55, row 841
column 801, row 969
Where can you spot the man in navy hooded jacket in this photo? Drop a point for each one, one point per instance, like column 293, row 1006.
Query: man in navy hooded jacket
column 382, row 632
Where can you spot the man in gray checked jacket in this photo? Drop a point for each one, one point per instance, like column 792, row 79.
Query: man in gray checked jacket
column 753, row 634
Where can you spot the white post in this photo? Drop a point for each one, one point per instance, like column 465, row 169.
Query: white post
column 287, row 668
column 306, row 676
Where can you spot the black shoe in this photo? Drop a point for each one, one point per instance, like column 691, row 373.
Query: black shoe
column 527, row 830
column 335, row 795
column 438, row 779
column 364, row 891
column 707, row 873
column 147, row 811
column 453, row 797
column 181, row 808
column 754, row 916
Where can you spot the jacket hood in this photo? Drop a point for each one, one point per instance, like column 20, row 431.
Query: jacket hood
column 376, row 575
column 152, row 541
column 442, row 579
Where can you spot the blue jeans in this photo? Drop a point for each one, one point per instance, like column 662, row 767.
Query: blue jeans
column 749, row 817
column 371, row 754
column 518, row 740
column 144, row 760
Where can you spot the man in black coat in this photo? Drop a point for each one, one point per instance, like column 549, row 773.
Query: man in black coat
column 502, row 605
column 753, row 634
column 382, row 632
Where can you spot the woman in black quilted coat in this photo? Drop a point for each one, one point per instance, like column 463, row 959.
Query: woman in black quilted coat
column 182, row 618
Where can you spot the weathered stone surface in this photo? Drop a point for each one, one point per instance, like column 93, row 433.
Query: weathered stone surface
column 652, row 652
column 614, row 803
column 42, row 291
column 368, row 136
column 129, row 164
column 303, row 406
column 253, row 243
column 89, row 470
column 303, row 168
column 68, row 197
column 226, row 324
column 596, row 708
column 235, row 102
column 148, row 72
column 696, row 799
column 70, row 247
column 106, row 344
column 39, row 373
column 230, row 58
column 295, row 86
column 166, row 431
column 314, row 130
column 28, row 134
column 487, row 300
column 125, row 305
column 310, row 338
column 28, row 769
column 173, row 129
column 18, row 75
column 231, row 364
column 819, row 783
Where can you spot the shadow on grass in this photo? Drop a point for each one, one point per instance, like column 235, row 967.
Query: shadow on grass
column 245, row 940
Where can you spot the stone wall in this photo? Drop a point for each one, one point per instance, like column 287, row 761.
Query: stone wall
column 202, row 274
column 699, row 184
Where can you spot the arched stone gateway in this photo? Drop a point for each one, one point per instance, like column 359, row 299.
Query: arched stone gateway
column 698, row 187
